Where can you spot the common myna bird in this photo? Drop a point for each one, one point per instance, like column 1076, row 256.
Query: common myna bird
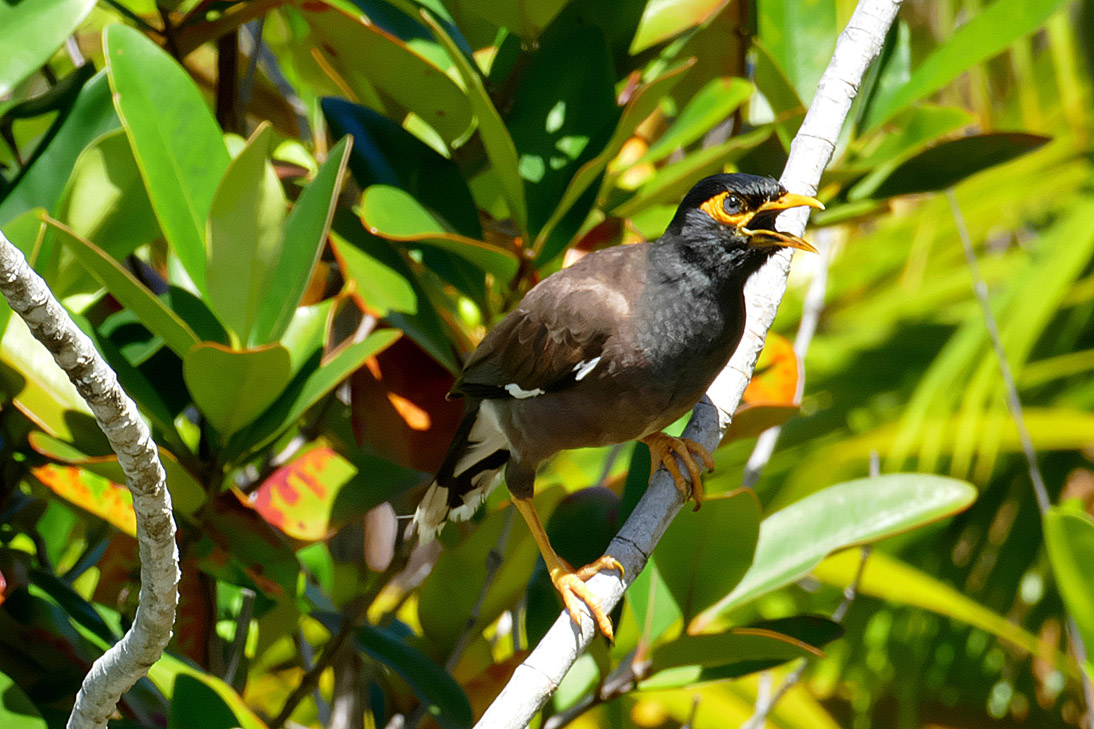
column 614, row 348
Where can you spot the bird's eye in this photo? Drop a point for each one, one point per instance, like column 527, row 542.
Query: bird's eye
column 732, row 205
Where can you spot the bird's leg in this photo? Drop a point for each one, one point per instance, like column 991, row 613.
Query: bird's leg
column 569, row 582
column 663, row 451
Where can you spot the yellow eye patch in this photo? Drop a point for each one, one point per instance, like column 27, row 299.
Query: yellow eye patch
column 715, row 208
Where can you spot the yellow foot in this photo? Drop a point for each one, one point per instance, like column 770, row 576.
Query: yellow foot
column 664, row 448
column 571, row 585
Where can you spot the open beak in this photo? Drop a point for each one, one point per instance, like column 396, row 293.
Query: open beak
column 765, row 216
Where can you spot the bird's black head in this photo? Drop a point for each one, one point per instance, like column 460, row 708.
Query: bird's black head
column 738, row 210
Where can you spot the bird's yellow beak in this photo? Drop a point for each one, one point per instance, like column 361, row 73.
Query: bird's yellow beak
column 767, row 214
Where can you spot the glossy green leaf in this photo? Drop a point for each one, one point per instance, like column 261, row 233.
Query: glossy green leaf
column 983, row 36
column 692, row 659
column 649, row 593
column 17, row 711
column 244, row 237
column 662, row 20
column 801, row 37
column 704, row 554
column 394, row 214
column 794, row 540
column 308, row 387
column 526, row 18
column 387, row 154
column 195, row 705
column 641, row 104
column 232, row 387
column 123, row 286
column 422, row 323
column 175, row 140
column 365, row 60
column 445, row 701
column 31, row 31
column 1069, row 539
column 105, row 200
column 948, row 163
column 495, row 136
column 41, row 183
column 562, row 112
column 382, row 289
column 713, row 103
column 305, row 234
column 165, row 673
column 911, row 132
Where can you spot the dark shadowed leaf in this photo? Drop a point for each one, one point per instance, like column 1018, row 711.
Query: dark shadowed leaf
column 950, row 162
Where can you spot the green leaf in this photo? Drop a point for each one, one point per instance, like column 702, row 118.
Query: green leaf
column 1069, row 539
column 307, row 388
column 17, row 711
column 31, row 31
column 986, row 34
column 662, row 20
column 41, row 183
column 245, row 235
column 305, row 233
column 794, row 540
column 166, row 672
column 649, row 592
column 705, row 553
column 707, row 109
column 123, row 286
column 949, row 163
column 443, row 698
column 364, row 59
column 105, row 200
column 562, row 112
column 384, row 153
column 175, row 140
column 382, row 289
column 495, row 136
column 233, row 387
column 801, row 37
column 638, row 107
column 394, row 214
column 195, row 705
column 525, row 18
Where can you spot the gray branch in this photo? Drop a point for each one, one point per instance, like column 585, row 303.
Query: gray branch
column 539, row 675
column 129, row 659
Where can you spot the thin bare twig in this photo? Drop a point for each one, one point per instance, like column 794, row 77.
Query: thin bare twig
column 1014, row 405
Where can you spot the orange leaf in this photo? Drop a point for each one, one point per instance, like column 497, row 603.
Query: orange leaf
column 775, row 381
column 92, row 493
column 298, row 498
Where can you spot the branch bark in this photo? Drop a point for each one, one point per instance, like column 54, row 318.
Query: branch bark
column 539, row 675
column 128, row 659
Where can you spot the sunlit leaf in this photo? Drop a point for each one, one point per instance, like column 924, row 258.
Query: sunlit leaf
column 298, row 498
column 709, row 107
column 110, row 501
column 31, row 32
column 233, row 387
column 1069, row 539
column 393, row 214
column 175, row 140
column 662, row 20
column 16, row 710
column 795, row 539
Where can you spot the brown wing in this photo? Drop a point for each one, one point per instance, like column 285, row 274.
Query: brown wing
column 561, row 326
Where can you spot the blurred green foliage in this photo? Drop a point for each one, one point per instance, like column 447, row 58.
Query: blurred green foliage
column 285, row 223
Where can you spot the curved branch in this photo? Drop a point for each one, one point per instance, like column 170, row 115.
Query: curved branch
column 539, row 675
column 128, row 659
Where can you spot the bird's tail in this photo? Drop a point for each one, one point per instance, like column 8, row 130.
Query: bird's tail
column 471, row 470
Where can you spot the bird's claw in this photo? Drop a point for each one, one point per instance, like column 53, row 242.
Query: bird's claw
column 571, row 585
column 663, row 451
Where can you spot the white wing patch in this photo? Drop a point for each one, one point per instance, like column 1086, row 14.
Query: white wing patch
column 520, row 393
column 585, row 367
